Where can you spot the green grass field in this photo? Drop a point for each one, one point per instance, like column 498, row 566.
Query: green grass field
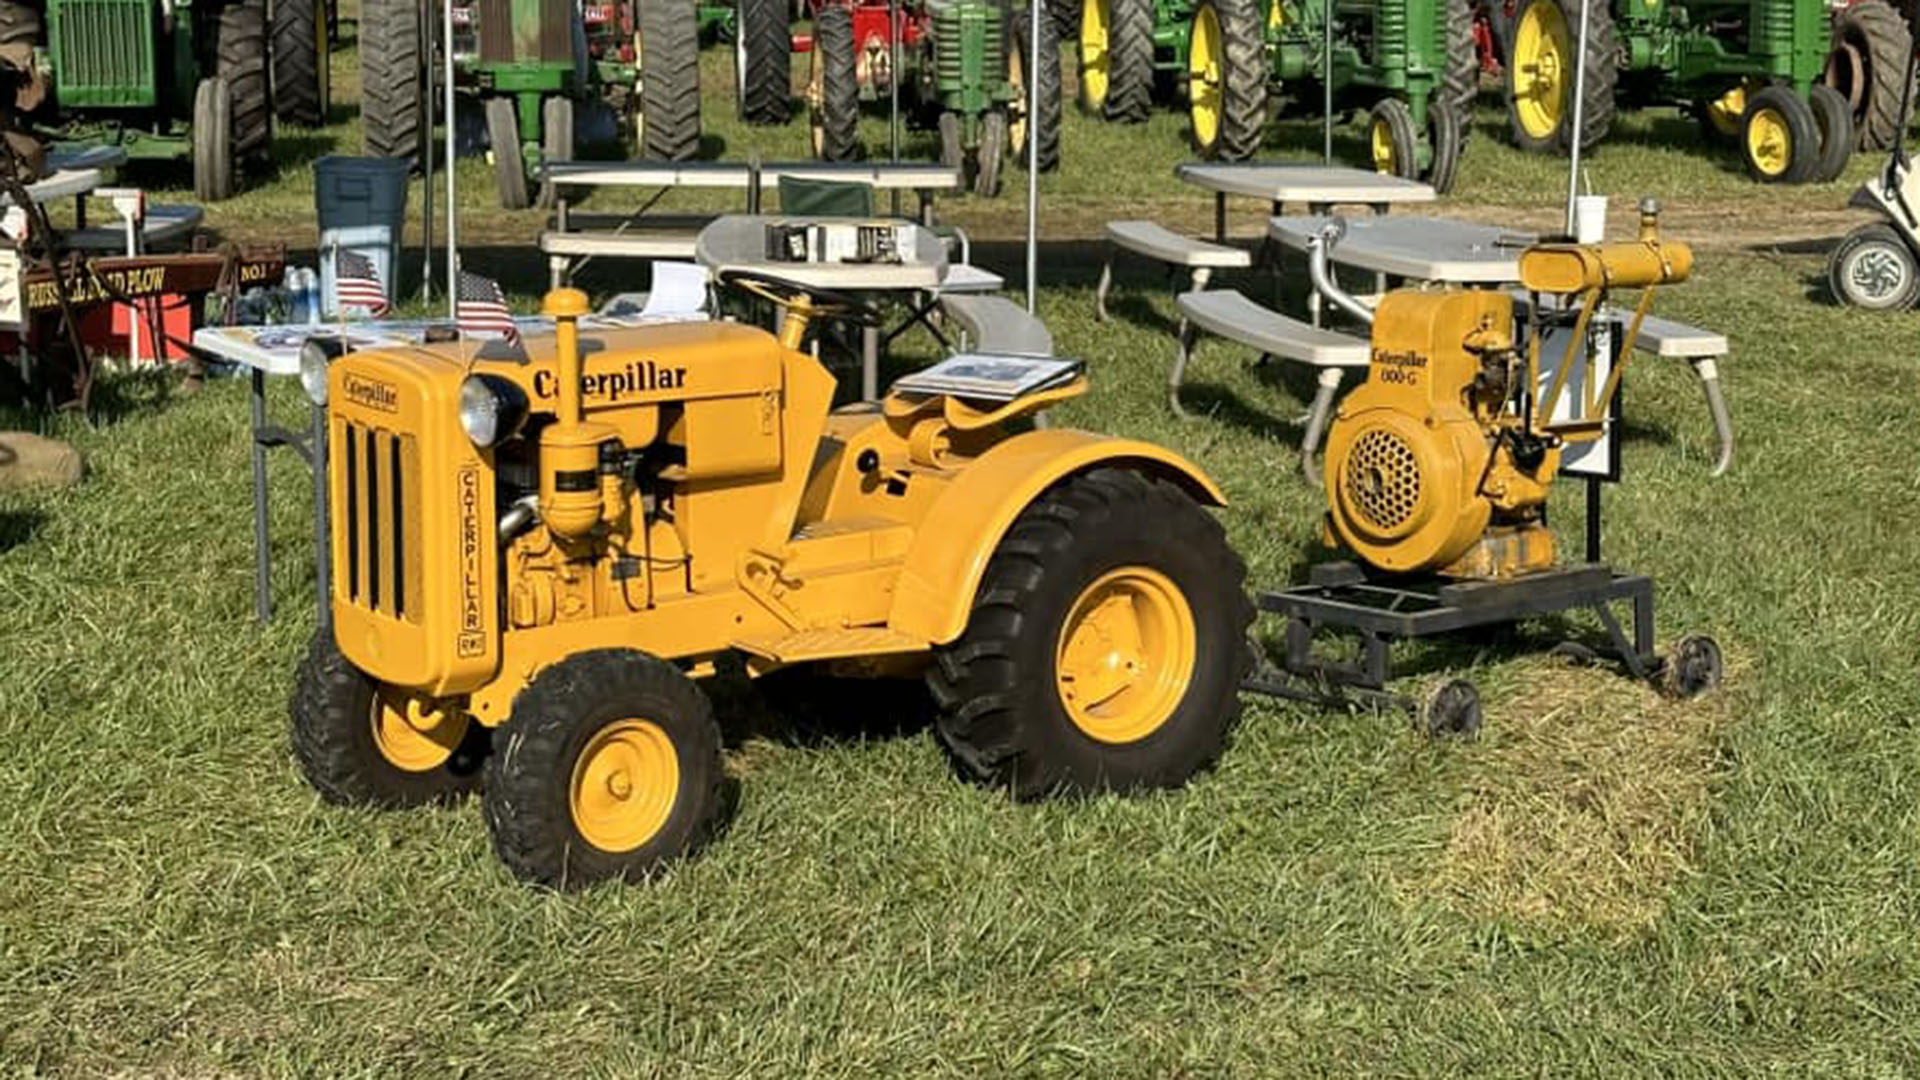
column 1605, row 883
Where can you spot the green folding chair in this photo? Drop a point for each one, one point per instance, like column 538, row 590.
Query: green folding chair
column 803, row 197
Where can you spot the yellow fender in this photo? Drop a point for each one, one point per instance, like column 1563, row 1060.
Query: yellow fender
column 952, row 545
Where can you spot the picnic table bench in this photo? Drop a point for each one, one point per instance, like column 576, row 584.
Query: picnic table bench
column 1162, row 244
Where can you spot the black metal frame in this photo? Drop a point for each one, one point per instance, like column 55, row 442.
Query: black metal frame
column 1383, row 609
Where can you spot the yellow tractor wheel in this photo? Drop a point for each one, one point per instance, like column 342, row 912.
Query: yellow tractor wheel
column 1779, row 137
column 1106, row 644
column 609, row 767
column 1391, row 138
column 360, row 744
column 1540, row 75
column 1116, row 59
column 1227, row 78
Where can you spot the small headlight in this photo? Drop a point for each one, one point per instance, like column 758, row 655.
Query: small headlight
column 314, row 358
column 491, row 409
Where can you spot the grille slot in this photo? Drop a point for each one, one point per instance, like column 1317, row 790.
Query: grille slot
column 103, row 53
column 382, row 471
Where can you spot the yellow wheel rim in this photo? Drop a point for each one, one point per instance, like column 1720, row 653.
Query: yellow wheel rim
column 816, row 98
column 1125, row 655
column 1726, row 113
column 1017, row 108
column 624, row 785
column 1542, row 72
column 412, row 736
column 1383, row 157
column 1203, row 75
column 1096, row 64
column 1769, row 141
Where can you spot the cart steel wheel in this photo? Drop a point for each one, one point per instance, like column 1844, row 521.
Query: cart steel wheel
column 1780, row 139
column 503, row 145
column 358, row 743
column 1390, row 136
column 1834, row 121
column 1106, row 644
column 1875, row 268
column 1125, row 655
column 609, row 767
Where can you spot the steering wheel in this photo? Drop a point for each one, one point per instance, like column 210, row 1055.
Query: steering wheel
column 784, row 293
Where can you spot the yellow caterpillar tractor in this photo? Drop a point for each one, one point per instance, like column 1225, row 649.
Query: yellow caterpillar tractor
column 1438, row 469
column 535, row 559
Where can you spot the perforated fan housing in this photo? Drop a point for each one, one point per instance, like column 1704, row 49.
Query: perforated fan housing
column 1382, row 480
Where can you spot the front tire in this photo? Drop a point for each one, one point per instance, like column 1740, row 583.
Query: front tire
column 1106, row 645
column 1391, row 138
column 1875, row 269
column 356, row 745
column 609, row 767
column 212, row 141
column 1779, row 137
column 509, row 162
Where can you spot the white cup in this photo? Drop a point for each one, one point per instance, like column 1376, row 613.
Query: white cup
column 1589, row 218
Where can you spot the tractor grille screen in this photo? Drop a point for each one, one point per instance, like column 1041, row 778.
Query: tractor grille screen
column 103, row 52
column 381, row 567
column 1383, row 479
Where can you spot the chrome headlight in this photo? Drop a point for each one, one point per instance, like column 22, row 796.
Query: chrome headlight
column 491, row 408
column 314, row 358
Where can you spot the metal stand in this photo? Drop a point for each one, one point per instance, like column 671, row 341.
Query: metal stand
column 1381, row 610
column 312, row 448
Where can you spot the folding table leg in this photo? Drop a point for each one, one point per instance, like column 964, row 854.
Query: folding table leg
column 1188, row 334
column 262, row 556
column 322, row 523
column 1317, row 424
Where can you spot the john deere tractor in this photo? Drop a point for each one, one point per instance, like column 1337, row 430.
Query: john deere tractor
column 1796, row 86
column 529, row 66
column 963, row 74
column 1410, row 64
column 175, row 80
column 537, row 558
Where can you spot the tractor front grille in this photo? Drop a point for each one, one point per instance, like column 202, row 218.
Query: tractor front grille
column 381, row 568
column 103, row 52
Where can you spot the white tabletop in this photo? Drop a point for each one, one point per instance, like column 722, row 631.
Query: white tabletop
column 1422, row 248
column 60, row 185
column 739, row 242
column 736, row 174
column 1315, row 184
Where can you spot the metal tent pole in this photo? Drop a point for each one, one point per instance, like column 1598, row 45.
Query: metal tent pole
column 1035, row 12
column 453, row 209
column 1579, row 96
column 1326, row 82
column 894, row 30
column 426, row 165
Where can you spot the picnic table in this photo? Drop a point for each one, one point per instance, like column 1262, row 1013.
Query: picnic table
column 739, row 242
column 1418, row 248
column 1318, row 187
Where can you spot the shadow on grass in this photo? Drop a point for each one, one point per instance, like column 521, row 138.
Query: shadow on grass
column 808, row 705
column 18, row 527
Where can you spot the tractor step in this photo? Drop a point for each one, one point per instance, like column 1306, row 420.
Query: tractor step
column 830, row 644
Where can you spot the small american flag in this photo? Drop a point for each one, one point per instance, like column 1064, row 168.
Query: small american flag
column 482, row 310
column 356, row 283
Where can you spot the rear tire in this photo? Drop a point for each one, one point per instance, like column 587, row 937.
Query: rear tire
column 1834, row 121
column 669, row 80
column 212, row 141
column 1072, row 674
column 1227, row 79
column 337, row 743
column 1460, row 85
column 1539, row 77
column 1127, row 93
column 1874, row 268
column 509, row 162
column 299, row 57
column 834, row 87
column 1779, row 138
column 609, row 767
column 1869, row 59
column 391, row 62
column 1048, row 122
column 240, row 47
column 763, row 52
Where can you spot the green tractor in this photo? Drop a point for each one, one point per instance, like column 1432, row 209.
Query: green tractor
column 1410, row 65
column 1798, row 86
column 172, row 80
column 526, row 65
column 963, row 73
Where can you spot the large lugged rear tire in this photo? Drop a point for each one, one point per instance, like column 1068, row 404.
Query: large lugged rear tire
column 609, row 767
column 390, row 65
column 833, row 89
column 1106, row 645
column 299, row 56
column 1116, row 59
column 1869, row 59
column 763, row 52
column 1227, row 79
column 354, row 744
column 1460, row 83
column 1047, row 123
column 1540, row 74
column 669, row 79
column 240, row 57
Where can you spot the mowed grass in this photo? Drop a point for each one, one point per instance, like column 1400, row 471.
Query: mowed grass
column 1604, row 883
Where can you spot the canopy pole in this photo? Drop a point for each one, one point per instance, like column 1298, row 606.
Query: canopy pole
column 1035, row 12
column 453, row 211
column 1578, row 129
column 426, row 165
column 1326, row 83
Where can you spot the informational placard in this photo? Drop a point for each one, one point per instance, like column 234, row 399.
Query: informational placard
column 1588, row 371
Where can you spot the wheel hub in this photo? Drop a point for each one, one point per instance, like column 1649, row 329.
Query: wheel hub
column 1877, row 273
column 1126, row 654
column 625, row 783
column 412, row 735
column 1769, row 142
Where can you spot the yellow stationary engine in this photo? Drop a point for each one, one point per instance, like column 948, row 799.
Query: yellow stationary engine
column 1442, row 460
